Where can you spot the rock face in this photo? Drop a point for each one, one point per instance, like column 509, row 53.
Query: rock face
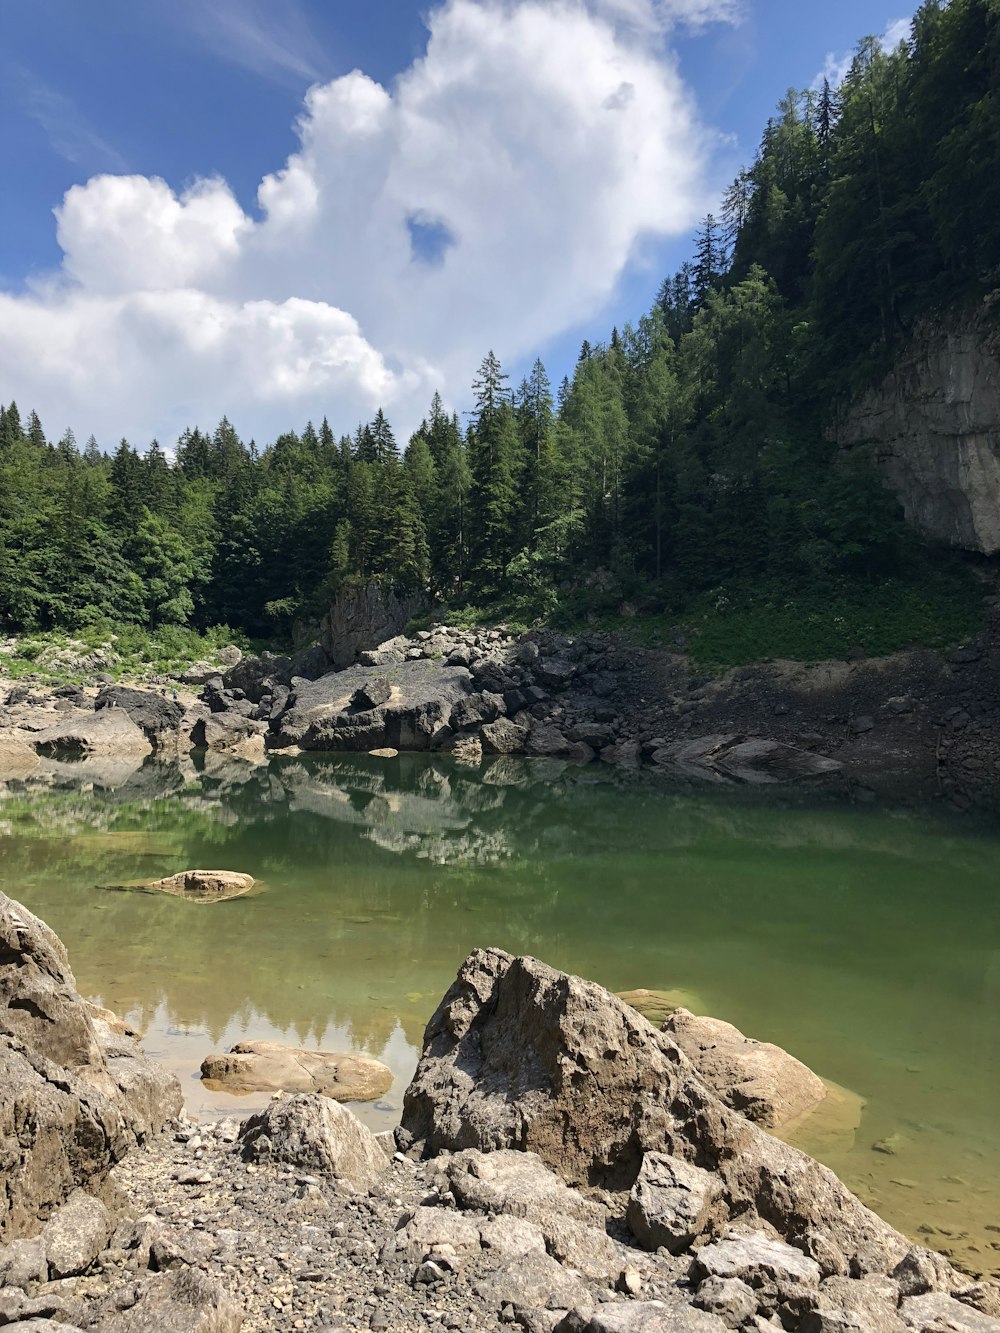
column 73, row 1094
column 935, row 425
column 520, row 1055
column 203, row 886
column 765, row 1083
column 267, row 1066
column 362, row 617
column 158, row 718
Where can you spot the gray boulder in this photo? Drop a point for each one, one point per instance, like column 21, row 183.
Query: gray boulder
column 503, row 737
column 110, row 732
column 520, row 1055
column 158, row 718
column 184, row 1300
column 315, row 1134
column 671, row 1202
column 76, row 1234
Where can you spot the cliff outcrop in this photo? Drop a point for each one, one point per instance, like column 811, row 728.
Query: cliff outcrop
column 934, row 422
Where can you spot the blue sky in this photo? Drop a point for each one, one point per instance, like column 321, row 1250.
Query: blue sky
column 522, row 183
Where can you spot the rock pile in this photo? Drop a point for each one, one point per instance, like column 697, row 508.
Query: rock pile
column 562, row 1167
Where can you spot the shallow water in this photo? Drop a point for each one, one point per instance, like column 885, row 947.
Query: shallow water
column 866, row 940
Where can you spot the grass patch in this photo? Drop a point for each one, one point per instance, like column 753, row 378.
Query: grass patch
column 738, row 627
column 120, row 651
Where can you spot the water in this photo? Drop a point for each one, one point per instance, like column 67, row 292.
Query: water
column 866, row 940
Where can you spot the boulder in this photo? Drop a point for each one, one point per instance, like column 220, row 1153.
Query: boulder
column 158, row 718
column 520, row 1055
column 202, row 886
column 324, row 718
column 520, row 1185
column 641, row 1317
column 939, row 1313
column 315, row 1134
column 76, row 1234
column 267, row 1066
column 671, row 1202
column 75, row 1095
column 184, row 1300
column 110, row 732
column 760, row 1080
column 503, row 737
column 372, row 693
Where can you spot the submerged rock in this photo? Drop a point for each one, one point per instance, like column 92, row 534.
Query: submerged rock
column 658, row 1005
column 267, row 1066
column 762, row 1081
column 201, row 886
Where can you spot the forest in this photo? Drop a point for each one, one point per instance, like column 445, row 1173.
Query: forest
column 685, row 462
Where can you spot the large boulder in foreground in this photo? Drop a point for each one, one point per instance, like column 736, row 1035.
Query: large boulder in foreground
column 765, row 1083
column 74, row 1093
column 268, row 1066
column 110, row 732
column 315, row 1134
column 519, row 1055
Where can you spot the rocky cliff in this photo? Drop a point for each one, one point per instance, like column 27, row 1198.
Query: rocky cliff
column 935, row 424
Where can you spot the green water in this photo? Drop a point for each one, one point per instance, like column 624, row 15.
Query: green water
column 864, row 939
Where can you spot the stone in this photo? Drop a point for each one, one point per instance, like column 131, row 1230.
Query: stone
column 76, row 1234
column 545, row 740
column 939, row 1313
column 110, row 732
column 756, row 1258
column 268, row 1066
column 203, row 886
column 520, row 1185
column 536, row 1282
column 182, row 1301
column 315, row 1134
column 229, row 656
column 503, row 737
column 728, row 1297
column 756, row 1078
column 641, row 1317
column 156, row 716
column 861, row 724
column 519, row 1055
column 423, row 694
column 671, row 1203
column 23, row 1262
column 372, row 694
column 657, row 1005
column 555, row 672
column 843, row 1305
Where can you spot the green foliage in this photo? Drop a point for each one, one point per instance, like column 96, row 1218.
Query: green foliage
column 685, row 461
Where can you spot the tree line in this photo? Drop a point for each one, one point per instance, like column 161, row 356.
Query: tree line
column 687, row 453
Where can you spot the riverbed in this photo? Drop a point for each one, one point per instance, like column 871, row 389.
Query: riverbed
column 863, row 937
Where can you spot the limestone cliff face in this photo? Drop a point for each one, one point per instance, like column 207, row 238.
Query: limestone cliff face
column 935, row 423
column 362, row 617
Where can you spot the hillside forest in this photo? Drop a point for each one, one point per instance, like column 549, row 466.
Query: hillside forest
column 684, row 468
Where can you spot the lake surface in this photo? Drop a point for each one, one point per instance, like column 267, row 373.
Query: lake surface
column 864, row 938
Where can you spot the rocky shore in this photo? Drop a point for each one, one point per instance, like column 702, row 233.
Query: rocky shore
column 562, row 1166
column 918, row 718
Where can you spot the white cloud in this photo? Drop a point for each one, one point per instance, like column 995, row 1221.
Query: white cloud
column 538, row 142
column 836, row 66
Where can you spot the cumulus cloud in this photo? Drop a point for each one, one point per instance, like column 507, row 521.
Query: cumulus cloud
column 493, row 196
column 837, row 64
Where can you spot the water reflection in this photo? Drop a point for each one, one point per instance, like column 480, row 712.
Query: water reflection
column 867, row 940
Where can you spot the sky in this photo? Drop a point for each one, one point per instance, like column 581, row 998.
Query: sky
column 278, row 210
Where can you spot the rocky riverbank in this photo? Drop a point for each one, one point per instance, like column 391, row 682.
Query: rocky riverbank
column 920, row 718
column 562, row 1165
